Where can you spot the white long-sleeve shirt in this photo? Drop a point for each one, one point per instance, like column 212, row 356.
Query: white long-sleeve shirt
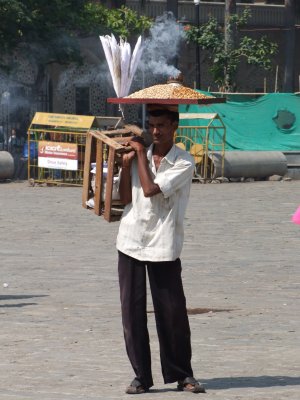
column 151, row 228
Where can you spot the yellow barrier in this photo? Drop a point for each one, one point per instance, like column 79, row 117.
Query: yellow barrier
column 56, row 146
column 202, row 135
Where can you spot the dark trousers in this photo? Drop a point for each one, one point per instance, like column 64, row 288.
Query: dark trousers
column 170, row 314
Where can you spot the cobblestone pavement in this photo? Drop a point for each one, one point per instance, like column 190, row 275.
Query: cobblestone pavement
column 61, row 335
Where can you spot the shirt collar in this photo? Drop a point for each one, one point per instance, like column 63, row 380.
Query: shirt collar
column 169, row 157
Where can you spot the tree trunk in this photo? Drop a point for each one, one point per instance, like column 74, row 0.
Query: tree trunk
column 290, row 11
column 229, row 39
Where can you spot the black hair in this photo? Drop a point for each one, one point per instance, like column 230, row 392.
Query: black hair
column 171, row 115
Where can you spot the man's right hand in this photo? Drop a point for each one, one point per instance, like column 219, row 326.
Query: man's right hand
column 127, row 159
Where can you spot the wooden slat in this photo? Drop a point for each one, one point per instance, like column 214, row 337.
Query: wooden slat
column 118, row 132
column 99, row 178
column 134, row 129
column 86, row 170
column 110, row 142
column 127, row 130
column 109, row 184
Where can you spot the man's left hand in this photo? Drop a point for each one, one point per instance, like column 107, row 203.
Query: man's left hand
column 137, row 144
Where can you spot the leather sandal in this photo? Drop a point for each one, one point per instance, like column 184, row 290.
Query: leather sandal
column 136, row 387
column 197, row 387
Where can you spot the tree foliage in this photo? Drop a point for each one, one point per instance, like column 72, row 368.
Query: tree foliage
column 225, row 60
column 120, row 21
column 48, row 31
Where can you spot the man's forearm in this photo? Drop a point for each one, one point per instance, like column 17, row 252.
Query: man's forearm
column 149, row 187
column 125, row 185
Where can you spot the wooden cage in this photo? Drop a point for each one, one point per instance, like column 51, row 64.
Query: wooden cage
column 104, row 148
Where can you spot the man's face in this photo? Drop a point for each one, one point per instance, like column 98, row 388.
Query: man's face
column 162, row 129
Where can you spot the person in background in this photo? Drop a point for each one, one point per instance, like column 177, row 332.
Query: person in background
column 2, row 139
column 15, row 145
column 155, row 185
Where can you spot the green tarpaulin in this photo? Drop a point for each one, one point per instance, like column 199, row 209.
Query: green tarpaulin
column 270, row 122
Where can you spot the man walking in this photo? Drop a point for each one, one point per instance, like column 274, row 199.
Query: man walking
column 155, row 186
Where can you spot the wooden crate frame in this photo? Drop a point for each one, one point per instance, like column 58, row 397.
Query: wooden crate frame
column 105, row 146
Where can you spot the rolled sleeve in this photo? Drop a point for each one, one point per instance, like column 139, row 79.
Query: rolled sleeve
column 172, row 179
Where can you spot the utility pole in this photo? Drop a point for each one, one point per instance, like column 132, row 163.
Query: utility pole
column 290, row 38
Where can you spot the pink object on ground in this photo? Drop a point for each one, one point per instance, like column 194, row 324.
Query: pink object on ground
column 296, row 216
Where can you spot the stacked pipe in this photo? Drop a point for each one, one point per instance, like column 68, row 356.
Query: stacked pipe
column 6, row 165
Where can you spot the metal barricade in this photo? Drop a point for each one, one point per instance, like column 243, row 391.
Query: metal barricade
column 203, row 135
column 56, row 146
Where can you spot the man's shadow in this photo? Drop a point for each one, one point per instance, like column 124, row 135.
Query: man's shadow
column 264, row 381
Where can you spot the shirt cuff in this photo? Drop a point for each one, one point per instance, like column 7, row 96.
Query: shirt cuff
column 165, row 186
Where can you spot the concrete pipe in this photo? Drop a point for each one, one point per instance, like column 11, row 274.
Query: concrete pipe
column 249, row 164
column 6, row 165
